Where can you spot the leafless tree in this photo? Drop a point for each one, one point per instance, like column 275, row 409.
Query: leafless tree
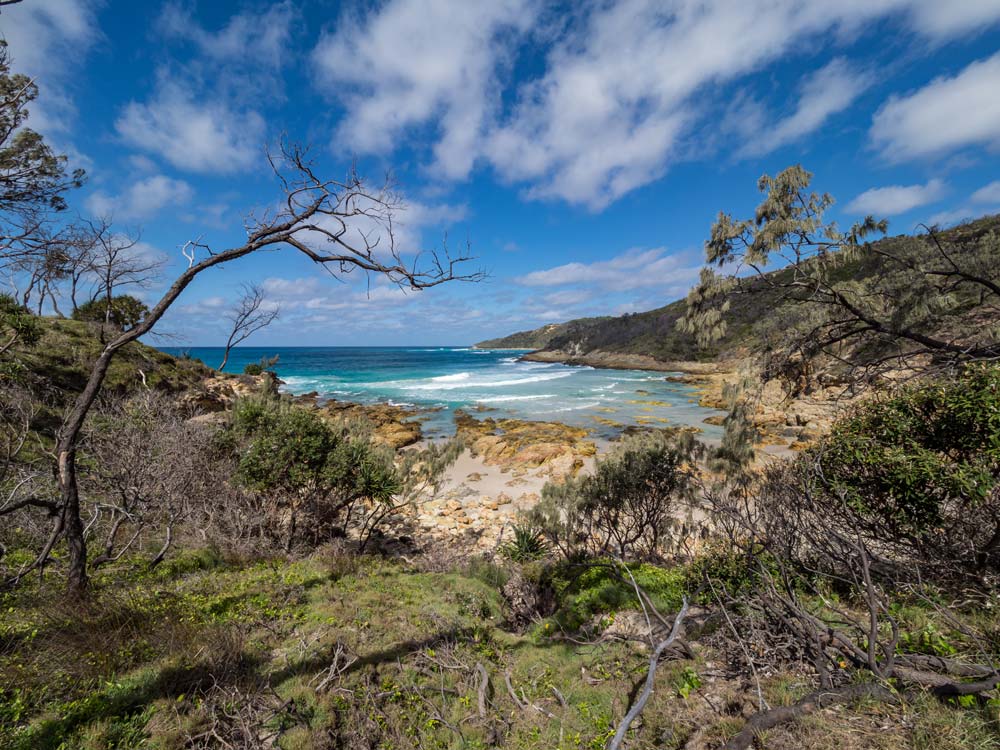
column 147, row 471
column 249, row 316
column 25, row 483
column 316, row 218
column 77, row 243
column 117, row 262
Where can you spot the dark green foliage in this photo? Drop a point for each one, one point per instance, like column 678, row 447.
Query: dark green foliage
column 294, row 449
column 920, row 449
column 922, row 466
column 259, row 368
column 528, row 544
column 725, row 573
column 32, row 178
column 17, row 322
column 316, row 473
column 123, row 311
column 601, row 586
column 628, row 505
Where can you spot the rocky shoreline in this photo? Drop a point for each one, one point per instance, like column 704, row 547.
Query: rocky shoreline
column 507, row 461
column 787, row 423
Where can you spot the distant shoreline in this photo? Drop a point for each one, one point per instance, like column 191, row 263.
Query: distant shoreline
column 618, row 361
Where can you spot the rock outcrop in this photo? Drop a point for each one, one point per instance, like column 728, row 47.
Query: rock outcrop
column 518, row 444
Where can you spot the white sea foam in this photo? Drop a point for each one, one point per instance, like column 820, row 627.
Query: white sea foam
column 504, row 399
column 453, row 382
column 578, row 407
column 455, row 378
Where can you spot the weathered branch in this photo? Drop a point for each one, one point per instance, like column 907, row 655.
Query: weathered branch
column 765, row 720
column 647, row 691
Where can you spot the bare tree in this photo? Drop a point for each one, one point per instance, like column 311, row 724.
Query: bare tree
column 117, row 262
column 147, row 469
column 249, row 316
column 316, row 219
column 77, row 245
column 25, row 482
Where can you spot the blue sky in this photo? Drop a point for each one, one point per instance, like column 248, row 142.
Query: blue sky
column 581, row 149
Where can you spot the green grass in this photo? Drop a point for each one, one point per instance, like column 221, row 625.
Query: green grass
column 158, row 657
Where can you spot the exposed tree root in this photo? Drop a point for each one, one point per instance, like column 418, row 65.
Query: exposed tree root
column 764, row 720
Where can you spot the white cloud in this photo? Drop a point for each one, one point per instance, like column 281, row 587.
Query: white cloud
column 621, row 92
column 199, row 136
column 47, row 40
column 206, row 306
column 947, row 114
column 829, row 90
column 633, row 269
column 622, row 87
column 896, row 199
column 411, row 62
column 988, row 194
column 943, row 20
column 247, row 38
column 142, row 199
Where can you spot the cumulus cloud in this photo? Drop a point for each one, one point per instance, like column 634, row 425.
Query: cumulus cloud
column 411, row 62
column 142, row 199
column 621, row 89
column 949, row 113
column 829, row 90
column 196, row 134
column 633, row 269
column 897, row 199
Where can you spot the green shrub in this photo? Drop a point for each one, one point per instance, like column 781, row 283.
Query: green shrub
column 725, row 572
column 629, row 504
column 919, row 470
column 123, row 311
column 265, row 364
column 321, row 477
column 602, row 586
column 16, row 321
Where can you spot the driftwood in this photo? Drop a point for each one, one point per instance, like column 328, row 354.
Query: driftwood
column 647, row 691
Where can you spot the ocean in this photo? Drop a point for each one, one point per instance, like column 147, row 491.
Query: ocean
column 495, row 383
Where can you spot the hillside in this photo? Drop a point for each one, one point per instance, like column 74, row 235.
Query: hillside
column 754, row 322
column 539, row 338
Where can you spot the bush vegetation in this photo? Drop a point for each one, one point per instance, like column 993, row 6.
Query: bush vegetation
column 628, row 505
column 918, row 470
column 123, row 311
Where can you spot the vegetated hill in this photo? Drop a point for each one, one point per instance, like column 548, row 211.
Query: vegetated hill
column 56, row 369
column 754, row 321
column 539, row 338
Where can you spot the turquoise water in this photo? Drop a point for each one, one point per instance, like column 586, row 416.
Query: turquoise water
column 442, row 379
